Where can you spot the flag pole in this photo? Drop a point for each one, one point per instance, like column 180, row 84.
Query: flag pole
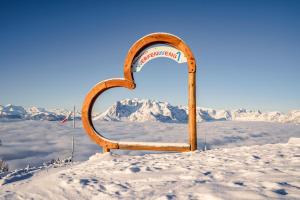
column 74, row 117
column 73, row 145
column 204, row 141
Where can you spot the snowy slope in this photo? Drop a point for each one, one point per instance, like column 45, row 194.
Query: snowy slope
column 257, row 172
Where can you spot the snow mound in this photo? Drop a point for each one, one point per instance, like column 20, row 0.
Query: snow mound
column 254, row 172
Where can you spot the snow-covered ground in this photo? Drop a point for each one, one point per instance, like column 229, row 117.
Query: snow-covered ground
column 269, row 171
column 233, row 169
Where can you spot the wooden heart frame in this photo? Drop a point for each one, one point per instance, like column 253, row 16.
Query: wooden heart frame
column 128, row 82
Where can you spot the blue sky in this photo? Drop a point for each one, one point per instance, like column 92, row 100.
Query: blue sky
column 247, row 52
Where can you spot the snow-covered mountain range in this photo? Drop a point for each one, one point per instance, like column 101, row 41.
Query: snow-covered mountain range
column 150, row 110
column 33, row 113
column 141, row 110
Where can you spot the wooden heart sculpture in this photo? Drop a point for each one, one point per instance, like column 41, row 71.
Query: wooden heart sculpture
column 128, row 82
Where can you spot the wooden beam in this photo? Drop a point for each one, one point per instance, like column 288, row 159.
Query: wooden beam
column 151, row 146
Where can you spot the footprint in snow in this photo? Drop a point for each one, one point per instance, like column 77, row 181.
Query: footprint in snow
column 207, row 173
column 94, row 180
column 288, row 185
column 148, row 169
column 133, row 169
column 239, row 183
column 171, row 196
column 84, row 181
column 280, row 191
column 199, row 181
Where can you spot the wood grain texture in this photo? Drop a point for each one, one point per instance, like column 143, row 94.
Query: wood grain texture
column 146, row 147
column 128, row 82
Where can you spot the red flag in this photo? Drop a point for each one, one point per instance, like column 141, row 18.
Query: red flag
column 66, row 118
